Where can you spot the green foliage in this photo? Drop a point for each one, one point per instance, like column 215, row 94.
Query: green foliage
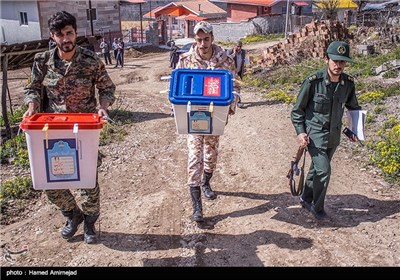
column 387, row 90
column 281, row 95
column 115, row 132
column 386, row 152
column 371, row 97
column 363, row 66
column 283, row 76
column 252, row 39
column 380, row 109
column 14, row 118
column 261, row 38
column 370, row 118
column 111, row 133
column 393, row 73
column 390, row 123
column 13, row 148
column 19, row 188
column 22, row 159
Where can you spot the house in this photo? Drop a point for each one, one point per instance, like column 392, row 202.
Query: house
column 239, row 10
column 177, row 19
column 23, row 21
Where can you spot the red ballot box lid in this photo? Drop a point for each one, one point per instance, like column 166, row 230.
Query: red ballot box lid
column 62, row 121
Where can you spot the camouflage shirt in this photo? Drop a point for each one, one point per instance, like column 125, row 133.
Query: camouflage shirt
column 70, row 85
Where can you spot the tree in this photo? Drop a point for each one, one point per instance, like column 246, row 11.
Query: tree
column 329, row 6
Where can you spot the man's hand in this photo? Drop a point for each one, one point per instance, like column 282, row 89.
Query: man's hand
column 303, row 140
column 31, row 110
column 102, row 112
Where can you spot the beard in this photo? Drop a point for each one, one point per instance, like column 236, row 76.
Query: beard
column 67, row 46
column 336, row 72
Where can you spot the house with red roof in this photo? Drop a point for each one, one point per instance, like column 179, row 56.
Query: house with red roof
column 238, row 10
column 177, row 19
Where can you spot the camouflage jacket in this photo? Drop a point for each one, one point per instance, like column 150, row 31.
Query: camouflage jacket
column 70, row 88
column 219, row 60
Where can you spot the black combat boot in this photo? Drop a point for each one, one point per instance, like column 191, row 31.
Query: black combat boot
column 205, row 186
column 197, row 207
column 74, row 218
column 90, row 235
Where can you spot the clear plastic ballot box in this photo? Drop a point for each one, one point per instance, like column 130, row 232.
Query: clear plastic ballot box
column 200, row 100
column 63, row 149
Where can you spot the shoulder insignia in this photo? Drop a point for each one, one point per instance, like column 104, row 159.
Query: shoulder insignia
column 312, row 78
column 350, row 78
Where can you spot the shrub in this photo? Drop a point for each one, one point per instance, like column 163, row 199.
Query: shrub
column 19, row 188
column 371, row 97
column 386, row 153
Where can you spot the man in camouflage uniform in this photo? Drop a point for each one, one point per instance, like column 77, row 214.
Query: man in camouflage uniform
column 319, row 110
column 203, row 149
column 70, row 74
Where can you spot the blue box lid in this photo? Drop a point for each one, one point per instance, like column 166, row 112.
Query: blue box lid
column 201, row 87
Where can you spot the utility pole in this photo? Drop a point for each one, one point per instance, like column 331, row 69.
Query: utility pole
column 150, row 10
column 90, row 17
column 141, row 23
column 287, row 18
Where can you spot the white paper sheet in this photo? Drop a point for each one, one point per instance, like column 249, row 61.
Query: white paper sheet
column 356, row 122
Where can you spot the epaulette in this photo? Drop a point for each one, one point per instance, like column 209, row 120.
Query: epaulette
column 350, row 78
column 316, row 76
column 312, row 78
column 87, row 52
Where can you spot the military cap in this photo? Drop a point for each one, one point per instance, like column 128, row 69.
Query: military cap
column 339, row 50
column 203, row 25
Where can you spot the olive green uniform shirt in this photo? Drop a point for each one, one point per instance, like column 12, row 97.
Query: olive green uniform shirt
column 320, row 105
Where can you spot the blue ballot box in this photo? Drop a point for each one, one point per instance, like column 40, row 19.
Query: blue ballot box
column 201, row 99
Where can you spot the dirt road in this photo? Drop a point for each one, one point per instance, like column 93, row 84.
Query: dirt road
column 146, row 207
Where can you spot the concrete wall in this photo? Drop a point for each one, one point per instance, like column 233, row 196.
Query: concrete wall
column 233, row 31
column 107, row 16
column 11, row 30
column 131, row 12
column 108, row 20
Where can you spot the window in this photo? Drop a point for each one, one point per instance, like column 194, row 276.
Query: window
column 23, row 18
column 94, row 14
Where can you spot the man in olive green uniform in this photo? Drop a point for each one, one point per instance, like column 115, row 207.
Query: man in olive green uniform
column 203, row 149
column 319, row 110
column 70, row 74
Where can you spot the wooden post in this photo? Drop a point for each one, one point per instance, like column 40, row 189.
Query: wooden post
column 4, row 98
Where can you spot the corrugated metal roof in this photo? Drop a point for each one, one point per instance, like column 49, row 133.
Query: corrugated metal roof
column 134, row 1
column 301, row 3
column 267, row 3
column 343, row 4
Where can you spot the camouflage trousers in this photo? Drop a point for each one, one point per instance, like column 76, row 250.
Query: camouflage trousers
column 203, row 153
column 65, row 200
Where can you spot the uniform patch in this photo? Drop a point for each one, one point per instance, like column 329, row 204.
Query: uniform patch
column 312, row 78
